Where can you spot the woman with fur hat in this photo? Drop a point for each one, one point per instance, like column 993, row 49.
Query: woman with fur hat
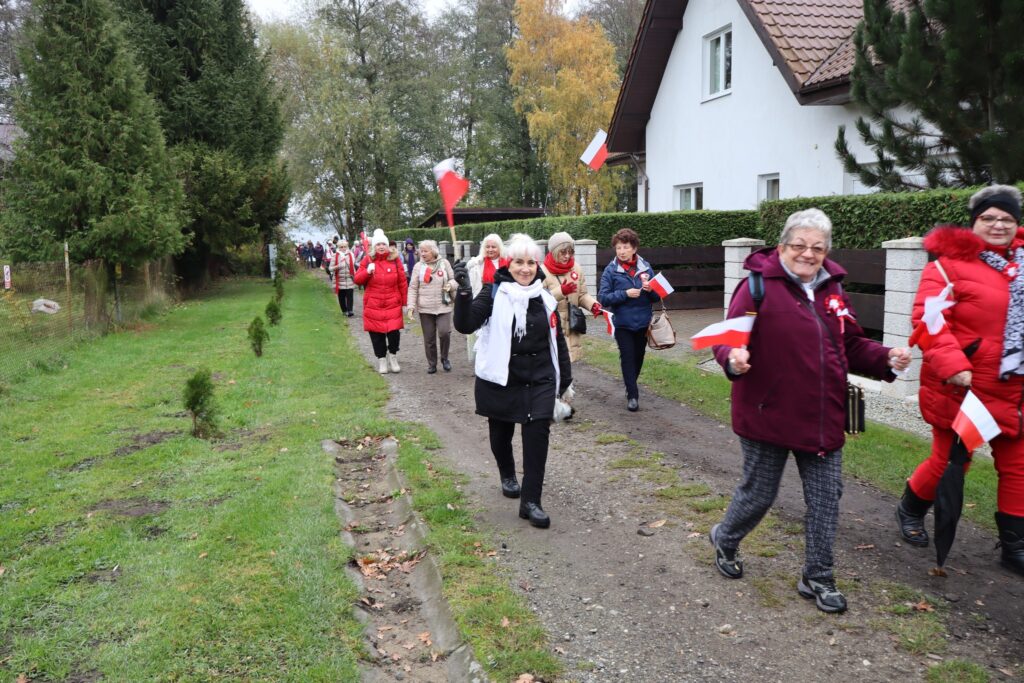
column 981, row 349
column 430, row 290
column 564, row 280
column 383, row 276
column 522, row 365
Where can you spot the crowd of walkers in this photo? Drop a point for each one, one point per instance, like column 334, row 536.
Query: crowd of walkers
column 520, row 310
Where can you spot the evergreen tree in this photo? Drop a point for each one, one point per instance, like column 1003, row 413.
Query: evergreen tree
column 943, row 83
column 92, row 168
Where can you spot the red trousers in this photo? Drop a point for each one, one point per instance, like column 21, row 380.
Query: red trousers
column 1008, row 455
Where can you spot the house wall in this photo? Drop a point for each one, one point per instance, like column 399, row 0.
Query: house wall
column 760, row 128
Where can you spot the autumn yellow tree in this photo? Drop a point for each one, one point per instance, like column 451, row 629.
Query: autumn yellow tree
column 565, row 81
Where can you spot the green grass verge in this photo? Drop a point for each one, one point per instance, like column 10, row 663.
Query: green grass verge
column 131, row 551
column 882, row 456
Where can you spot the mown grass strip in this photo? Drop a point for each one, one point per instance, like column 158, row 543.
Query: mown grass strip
column 882, row 456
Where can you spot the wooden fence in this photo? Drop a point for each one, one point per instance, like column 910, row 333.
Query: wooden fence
column 696, row 273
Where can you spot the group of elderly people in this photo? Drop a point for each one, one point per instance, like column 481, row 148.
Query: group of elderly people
column 789, row 383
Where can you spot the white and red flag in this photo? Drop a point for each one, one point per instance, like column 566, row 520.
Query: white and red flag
column 608, row 320
column 974, row 423
column 660, row 285
column 932, row 320
column 453, row 187
column 730, row 332
column 596, row 152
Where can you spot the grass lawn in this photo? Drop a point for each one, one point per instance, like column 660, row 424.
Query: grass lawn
column 882, row 455
column 130, row 550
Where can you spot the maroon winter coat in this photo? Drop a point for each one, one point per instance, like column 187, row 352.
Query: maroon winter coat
column 384, row 295
column 973, row 337
column 794, row 394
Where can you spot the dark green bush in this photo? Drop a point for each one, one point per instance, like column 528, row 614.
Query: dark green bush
column 198, row 399
column 273, row 312
column 669, row 228
column 257, row 335
column 278, row 286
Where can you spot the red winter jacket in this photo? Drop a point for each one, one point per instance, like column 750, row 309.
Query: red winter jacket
column 385, row 293
column 973, row 337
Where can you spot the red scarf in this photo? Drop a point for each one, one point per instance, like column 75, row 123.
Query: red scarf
column 489, row 269
column 629, row 266
column 555, row 268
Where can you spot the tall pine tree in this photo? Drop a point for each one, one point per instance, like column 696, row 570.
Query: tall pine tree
column 92, row 168
column 943, row 82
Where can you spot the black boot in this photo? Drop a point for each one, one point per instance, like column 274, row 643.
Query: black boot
column 1011, row 538
column 536, row 515
column 510, row 487
column 910, row 512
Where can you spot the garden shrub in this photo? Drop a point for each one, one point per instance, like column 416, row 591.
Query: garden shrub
column 257, row 335
column 198, row 398
column 273, row 312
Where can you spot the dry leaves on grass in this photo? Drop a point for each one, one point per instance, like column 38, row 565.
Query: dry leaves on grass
column 425, row 638
column 923, row 606
column 505, row 622
column 937, row 571
column 657, row 523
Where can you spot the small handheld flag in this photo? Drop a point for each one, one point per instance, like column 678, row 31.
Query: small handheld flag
column 974, row 423
column 932, row 320
column 453, row 187
column 730, row 332
column 608, row 319
column 596, row 152
column 660, row 285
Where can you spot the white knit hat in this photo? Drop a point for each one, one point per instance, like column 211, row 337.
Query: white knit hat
column 378, row 238
column 559, row 239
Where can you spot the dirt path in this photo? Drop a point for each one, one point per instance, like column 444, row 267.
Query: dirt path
column 626, row 597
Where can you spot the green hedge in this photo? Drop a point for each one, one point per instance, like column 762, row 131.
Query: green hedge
column 865, row 221
column 670, row 228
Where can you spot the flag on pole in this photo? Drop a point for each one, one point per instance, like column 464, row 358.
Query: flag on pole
column 608, row 320
column 453, row 187
column 596, row 152
column 974, row 423
column 932, row 320
column 731, row 332
column 660, row 285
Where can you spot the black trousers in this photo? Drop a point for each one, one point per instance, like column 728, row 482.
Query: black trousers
column 535, row 453
column 345, row 298
column 632, row 347
column 383, row 344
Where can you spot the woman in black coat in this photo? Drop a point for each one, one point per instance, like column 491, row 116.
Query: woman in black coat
column 522, row 364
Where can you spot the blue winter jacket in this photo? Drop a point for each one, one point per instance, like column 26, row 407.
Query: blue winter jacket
column 629, row 314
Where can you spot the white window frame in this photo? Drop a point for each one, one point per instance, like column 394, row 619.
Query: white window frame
column 717, row 64
column 764, row 186
column 689, row 197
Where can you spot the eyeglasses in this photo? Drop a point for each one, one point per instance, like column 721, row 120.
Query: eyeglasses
column 801, row 248
column 990, row 221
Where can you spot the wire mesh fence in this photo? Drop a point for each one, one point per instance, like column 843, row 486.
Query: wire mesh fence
column 47, row 307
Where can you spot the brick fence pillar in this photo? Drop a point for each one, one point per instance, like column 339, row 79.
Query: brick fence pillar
column 904, row 261
column 586, row 257
column 736, row 252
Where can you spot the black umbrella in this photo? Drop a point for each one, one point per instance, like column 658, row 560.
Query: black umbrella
column 949, row 500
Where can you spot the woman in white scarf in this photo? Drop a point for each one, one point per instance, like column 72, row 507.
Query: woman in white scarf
column 522, row 365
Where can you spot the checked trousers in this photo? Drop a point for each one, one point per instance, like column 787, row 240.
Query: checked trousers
column 822, row 478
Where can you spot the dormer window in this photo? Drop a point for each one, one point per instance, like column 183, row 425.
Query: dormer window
column 718, row 63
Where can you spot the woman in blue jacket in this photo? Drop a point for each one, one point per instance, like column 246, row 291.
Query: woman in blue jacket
column 626, row 291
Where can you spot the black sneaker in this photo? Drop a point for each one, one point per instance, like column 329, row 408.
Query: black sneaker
column 728, row 564
column 824, row 593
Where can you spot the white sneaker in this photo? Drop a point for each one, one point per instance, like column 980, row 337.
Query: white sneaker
column 382, row 366
column 393, row 363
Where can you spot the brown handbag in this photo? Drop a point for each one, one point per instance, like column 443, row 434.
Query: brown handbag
column 660, row 334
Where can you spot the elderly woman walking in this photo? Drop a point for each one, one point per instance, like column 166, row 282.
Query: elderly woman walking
column 522, row 365
column 788, row 394
column 564, row 280
column 626, row 291
column 383, row 275
column 343, row 269
column 481, row 269
column 979, row 349
column 430, row 295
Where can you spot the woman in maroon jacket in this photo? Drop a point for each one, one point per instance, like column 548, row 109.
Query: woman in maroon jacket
column 980, row 348
column 788, row 394
column 383, row 275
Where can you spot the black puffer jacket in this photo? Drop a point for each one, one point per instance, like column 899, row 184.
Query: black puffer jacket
column 530, row 392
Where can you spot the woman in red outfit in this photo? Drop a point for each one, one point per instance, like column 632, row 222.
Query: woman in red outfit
column 979, row 349
column 383, row 275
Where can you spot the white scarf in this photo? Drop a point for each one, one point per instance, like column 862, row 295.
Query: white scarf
column 494, row 343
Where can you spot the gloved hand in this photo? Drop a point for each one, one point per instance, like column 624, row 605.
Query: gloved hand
column 596, row 309
column 568, row 288
column 370, row 268
column 461, row 275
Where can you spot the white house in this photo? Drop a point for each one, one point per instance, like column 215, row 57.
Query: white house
column 728, row 102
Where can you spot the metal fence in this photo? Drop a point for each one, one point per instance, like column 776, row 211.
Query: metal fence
column 47, row 307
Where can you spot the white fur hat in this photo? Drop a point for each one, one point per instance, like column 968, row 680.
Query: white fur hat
column 378, row 238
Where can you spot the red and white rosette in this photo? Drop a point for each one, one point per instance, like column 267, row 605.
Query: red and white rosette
column 834, row 305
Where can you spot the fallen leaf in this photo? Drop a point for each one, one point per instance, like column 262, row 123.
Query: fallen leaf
column 409, row 646
column 450, row 506
column 1005, row 672
column 560, row 650
column 202, row 556
column 434, row 656
column 396, row 656
column 979, row 603
column 30, row 511
column 22, row 678
column 505, row 623
column 937, row 571
column 866, row 546
column 525, row 678
column 970, row 505
column 384, row 628
column 694, row 534
column 425, row 637
column 924, row 606
column 657, row 523
column 284, row 450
